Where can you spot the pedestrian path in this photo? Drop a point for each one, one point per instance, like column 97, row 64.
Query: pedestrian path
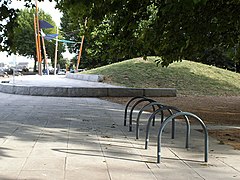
column 52, row 138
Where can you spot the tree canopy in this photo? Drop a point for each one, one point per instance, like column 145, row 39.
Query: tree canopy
column 7, row 17
column 171, row 29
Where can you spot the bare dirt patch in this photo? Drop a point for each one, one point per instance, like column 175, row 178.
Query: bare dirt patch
column 227, row 136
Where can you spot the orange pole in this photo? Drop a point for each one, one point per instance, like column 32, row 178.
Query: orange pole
column 39, row 42
column 36, row 40
column 80, row 53
column 81, row 46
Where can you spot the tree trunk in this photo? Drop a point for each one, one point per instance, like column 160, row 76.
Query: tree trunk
column 35, row 65
column 238, row 67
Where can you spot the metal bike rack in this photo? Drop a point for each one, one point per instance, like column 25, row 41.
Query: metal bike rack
column 173, row 124
column 167, row 120
column 151, row 104
column 136, row 103
column 126, row 108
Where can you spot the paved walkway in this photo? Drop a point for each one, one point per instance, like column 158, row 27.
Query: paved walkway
column 53, row 81
column 60, row 138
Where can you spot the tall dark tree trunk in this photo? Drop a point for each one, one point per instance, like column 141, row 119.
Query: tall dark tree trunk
column 237, row 67
column 35, row 65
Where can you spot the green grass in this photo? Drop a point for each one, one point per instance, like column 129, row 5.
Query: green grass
column 189, row 78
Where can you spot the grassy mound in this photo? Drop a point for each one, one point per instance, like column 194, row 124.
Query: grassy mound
column 189, row 78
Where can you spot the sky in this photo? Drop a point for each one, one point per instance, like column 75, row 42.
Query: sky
column 47, row 7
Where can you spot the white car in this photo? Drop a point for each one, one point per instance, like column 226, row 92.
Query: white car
column 3, row 73
column 61, row 72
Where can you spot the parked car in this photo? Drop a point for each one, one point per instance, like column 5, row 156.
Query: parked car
column 74, row 71
column 61, row 72
column 51, row 70
column 3, row 73
column 22, row 67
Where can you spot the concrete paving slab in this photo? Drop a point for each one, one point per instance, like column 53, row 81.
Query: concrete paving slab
column 46, row 152
column 90, row 161
column 162, row 173
column 83, row 173
column 9, row 175
column 84, row 138
column 17, row 143
column 42, row 164
column 11, row 163
column 118, row 169
column 37, row 175
column 16, row 152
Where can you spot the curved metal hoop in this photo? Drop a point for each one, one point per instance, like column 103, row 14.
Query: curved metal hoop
column 151, row 104
column 126, row 108
column 131, row 111
column 163, row 125
column 169, row 108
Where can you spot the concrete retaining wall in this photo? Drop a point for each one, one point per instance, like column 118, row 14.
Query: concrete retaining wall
column 86, row 92
column 85, row 77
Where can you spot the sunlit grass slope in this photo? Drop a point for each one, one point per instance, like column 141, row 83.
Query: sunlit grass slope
column 189, row 78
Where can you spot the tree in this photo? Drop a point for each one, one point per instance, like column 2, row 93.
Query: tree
column 102, row 46
column 173, row 30
column 63, row 63
column 7, row 16
column 94, row 44
column 23, row 39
